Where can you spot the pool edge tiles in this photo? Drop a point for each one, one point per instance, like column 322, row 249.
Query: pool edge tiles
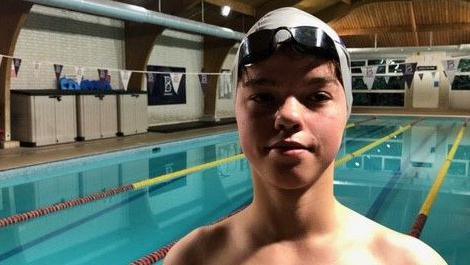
column 15, row 176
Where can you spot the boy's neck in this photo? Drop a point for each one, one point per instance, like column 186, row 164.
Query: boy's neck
column 292, row 215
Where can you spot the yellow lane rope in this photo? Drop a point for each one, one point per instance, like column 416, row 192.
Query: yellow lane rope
column 368, row 147
column 425, row 209
column 157, row 180
column 353, row 124
column 177, row 174
column 436, row 186
column 350, row 125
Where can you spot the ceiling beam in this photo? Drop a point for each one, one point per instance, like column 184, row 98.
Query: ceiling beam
column 274, row 4
column 346, row 1
column 342, row 9
column 235, row 6
column 413, row 23
column 398, row 29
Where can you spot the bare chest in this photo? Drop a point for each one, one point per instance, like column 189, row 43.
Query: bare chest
column 302, row 257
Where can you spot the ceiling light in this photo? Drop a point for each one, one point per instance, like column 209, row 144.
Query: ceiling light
column 225, row 11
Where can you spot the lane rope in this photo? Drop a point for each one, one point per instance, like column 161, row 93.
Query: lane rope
column 353, row 124
column 160, row 254
column 359, row 152
column 23, row 217
column 420, row 222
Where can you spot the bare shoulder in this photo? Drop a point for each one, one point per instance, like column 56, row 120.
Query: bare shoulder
column 194, row 247
column 389, row 246
column 404, row 249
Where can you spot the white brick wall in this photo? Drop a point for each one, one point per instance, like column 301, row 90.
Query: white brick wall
column 74, row 39
column 70, row 38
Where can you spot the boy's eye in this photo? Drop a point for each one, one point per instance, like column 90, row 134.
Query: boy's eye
column 263, row 98
column 319, row 97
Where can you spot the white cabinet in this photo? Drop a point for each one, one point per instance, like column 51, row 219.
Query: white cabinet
column 42, row 119
column 132, row 113
column 97, row 116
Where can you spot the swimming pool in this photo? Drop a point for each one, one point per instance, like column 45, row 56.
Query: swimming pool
column 387, row 184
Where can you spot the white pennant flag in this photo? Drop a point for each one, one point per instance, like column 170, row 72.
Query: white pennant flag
column 386, row 79
column 450, row 67
column 36, row 68
column 79, row 73
column 435, row 78
column 125, row 77
column 176, row 80
column 369, row 75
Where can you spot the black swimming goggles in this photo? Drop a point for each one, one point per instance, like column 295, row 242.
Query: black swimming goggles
column 305, row 39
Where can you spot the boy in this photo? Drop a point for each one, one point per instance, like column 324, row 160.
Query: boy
column 292, row 104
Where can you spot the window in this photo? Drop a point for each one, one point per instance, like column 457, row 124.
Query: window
column 358, row 63
column 461, row 82
column 379, row 99
column 464, row 65
column 376, row 61
column 394, row 68
column 358, row 83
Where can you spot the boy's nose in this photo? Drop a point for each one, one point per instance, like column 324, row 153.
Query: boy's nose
column 289, row 116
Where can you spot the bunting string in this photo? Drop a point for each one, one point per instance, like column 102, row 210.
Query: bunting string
column 111, row 69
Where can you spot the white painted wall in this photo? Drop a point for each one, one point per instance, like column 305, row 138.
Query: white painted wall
column 425, row 95
column 178, row 49
column 225, row 108
column 460, row 99
column 74, row 39
column 59, row 36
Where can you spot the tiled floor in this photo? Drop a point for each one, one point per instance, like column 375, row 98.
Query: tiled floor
column 24, row 156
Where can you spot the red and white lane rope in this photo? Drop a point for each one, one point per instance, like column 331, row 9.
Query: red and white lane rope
column 160, row 254
column 14, row 219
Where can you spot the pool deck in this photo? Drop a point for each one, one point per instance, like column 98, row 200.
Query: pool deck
column 27, row 156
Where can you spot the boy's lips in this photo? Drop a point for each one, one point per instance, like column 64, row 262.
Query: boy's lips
column 287, row 145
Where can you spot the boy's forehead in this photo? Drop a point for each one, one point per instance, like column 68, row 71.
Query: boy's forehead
column 280, row 62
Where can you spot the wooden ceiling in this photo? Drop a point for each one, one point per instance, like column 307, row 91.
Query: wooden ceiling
column 360, row 23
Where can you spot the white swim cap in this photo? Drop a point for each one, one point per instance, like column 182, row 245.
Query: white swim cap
column 290, row 17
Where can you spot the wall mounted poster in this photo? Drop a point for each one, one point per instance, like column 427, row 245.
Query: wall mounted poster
column 166, row 87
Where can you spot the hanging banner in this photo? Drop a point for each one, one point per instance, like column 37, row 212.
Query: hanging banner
column 36, row 68
column 436, row 79
column 204, row 82
column 125, row 77
column 176, row 80
column 1, row 58
column 79, row 73
column 168, row 87
column 103, row 74
column 426, row 68
column 369, row 75
column 420, row 76
column 16, row 66
column 225, row 85
column 150, row 77
column 450, row 67
column 386, row 79
column 408, row 70
column 58, row 71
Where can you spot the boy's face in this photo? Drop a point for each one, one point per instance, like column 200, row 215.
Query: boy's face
column 291, row 113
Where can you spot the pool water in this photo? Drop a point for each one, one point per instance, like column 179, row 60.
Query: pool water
column 388, row 184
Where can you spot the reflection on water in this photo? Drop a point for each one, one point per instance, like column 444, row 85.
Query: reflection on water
column 394, row 179
column 387, row 184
